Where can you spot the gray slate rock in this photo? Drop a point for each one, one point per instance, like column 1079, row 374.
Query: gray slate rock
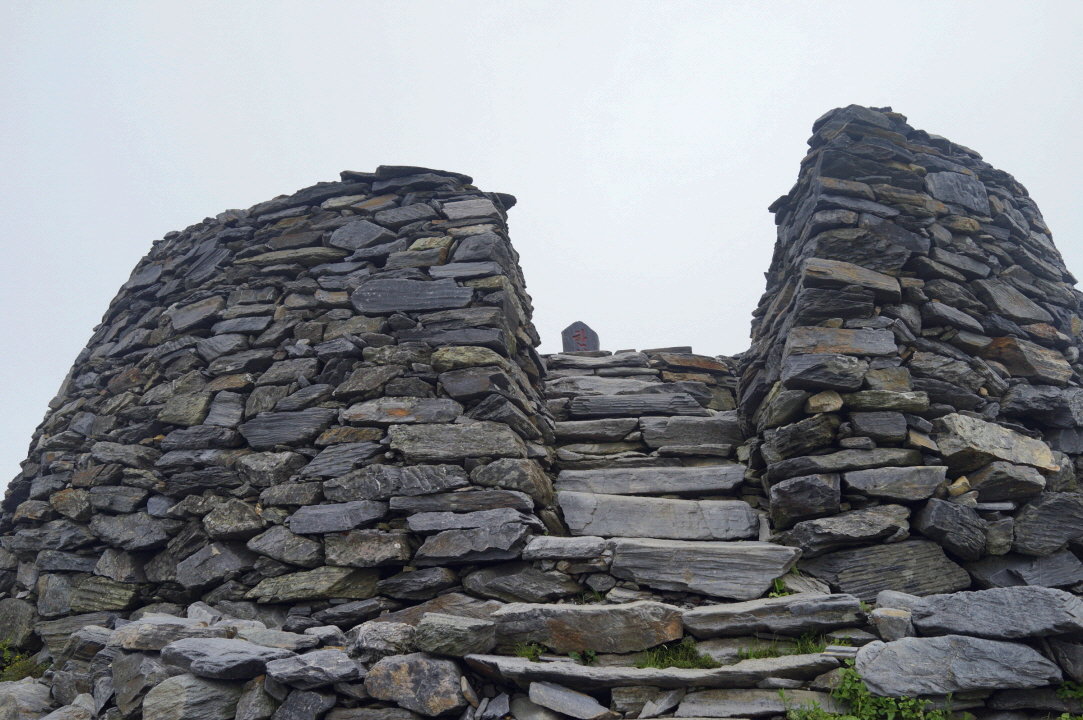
column 519, row 582
column 605, row 628
column 905, row 484
column 305, row 705
column 568, row 702
column 383, row 482
column 382, row 297
column 282, row 545
column 956, row 527
column 186, row 697
column 1048, row 523
column 135, row 532
column 951, row 664
column 453, row 443
column 802, row 498
column 454, row 636
column 751, row 703
column 134, row 674
column 624, row 516
column 1000, row 481
column 339, row 517
column 720, row 429
column 418, row 682
column 220, row 658
column 918, row 567
column 734, row 570
column 823, row 372
column 1061, row 569
column 653, row 481
column 790, row 615
column 318, row 668
column 269, row 429
column 1001, row 613
column 858, row 527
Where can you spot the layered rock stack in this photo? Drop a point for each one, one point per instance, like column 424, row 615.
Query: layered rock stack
column 311, row 465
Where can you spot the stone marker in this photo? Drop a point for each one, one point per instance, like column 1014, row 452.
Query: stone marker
column 578, row 337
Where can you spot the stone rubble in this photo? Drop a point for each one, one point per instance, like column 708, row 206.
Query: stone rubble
column 311, row 465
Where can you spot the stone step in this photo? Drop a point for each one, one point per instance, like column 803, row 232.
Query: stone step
column 653, row 480
column 734, row 570
column 627, row 516
column 582, row 677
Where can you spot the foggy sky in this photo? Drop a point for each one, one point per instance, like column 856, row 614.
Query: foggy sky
column 644, row 140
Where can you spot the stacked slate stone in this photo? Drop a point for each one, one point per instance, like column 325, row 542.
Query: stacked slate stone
column 311, row 466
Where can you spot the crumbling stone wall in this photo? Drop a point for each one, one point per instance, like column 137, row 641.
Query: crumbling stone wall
column 311, row 464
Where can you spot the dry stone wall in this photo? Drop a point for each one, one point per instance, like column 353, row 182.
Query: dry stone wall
column 311, row 465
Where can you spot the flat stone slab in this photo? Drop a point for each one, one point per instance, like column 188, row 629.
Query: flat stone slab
column 600, row 406
column 790, row 615
column 720, row 429
column 951, row 664
column 320, row 584
column 451, row 443
column 624, row 516
column 571, row 674
column 857, row 527
column 1060, row 569
column 809, row 340
column 967, row 444
column 735, row 570
column 653, row 481
column 751, row 703
column 1000, row 613
column 220, row 658
column 569, row 702
column 604, row 628
column 904, row 484
column 186, row 697
column 154, row 632
column 383, row 297
column 315, row 669
column 917, row 567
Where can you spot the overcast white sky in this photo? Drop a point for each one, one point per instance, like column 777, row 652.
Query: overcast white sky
column 644, row 140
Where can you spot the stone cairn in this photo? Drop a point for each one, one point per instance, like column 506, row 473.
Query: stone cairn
column 311, row 465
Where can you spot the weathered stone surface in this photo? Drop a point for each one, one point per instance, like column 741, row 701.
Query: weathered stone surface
column 305, row 705
column 884, row 400
column 450, row 443
column 381, row 297
column 472, row 501
column 1029, row 360
column 1000, row 613
column 383, row 482
column 1050, row 405
column 918, row 567
column 568, row 702
column 957, row 528
column 823, row 372
column 721, row 429
column 213, row 564
column 360, row 234
column 624, row 516
column 1047, row 523
column 607, row 430
column 497, row 541
column 592, row 678
column 369, row 548
column 186, row 697
column 817, row 272
column 101, row 593
column 389, row 410
column 751, row 703
column 600, row 406
column 653, row 481
column 134, row 674
column 318, row 668
column 338, row 517
column 800, row 438
column 277, row 639
column 17, row 618
column 521, row 475
column 286, row 428
column 284, row 546
column 135, row 532
column 520, row 582
column 1003, row 481
column 858, row 527
column 319, row 584
column 372, row 641
column 1061, row 569
column 604, row 628
column 951, row 664
column 548, row 547
column 233, row 520
column 958, row 189
column 967, row 444
column 906, row 484
column 454, row 636
column 790, row 615
column 735, row 570
column 820, row 340
column 801, row 498
column 340, row 459
column 221, row 658
column 154, row 632
column 418, row 682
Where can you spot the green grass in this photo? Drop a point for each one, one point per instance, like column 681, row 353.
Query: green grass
column 864, row 706
column 808, row 644
column 681, row 654
column 15, row 665
column 779, row 589
column 530, row 651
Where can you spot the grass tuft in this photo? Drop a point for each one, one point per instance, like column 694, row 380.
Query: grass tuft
column 681, row 654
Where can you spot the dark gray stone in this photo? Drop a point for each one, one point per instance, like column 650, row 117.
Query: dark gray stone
column 906, row 484
column 383, row 482
column 284, row 546
column 803, row 498
column 135, row 532
column 880, row 426
column 318, row 668
column 381, row 297
column 627, row 516
column 956, row 527
column 791, row 615
column 858, row 527
column 823, row 372
column 360, row 234
column 951, row 664
column 221, row 658
column 1061, row 569
column 267, row 430
column 338, row 517
column 453, row 635
column 918, row 567
column 1008, row 613
column 516, row 582
column 305, row 705
column 958, row 189
column 1003, row 481
column 578, row 337
column 418, row 682
column 1048, row 523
